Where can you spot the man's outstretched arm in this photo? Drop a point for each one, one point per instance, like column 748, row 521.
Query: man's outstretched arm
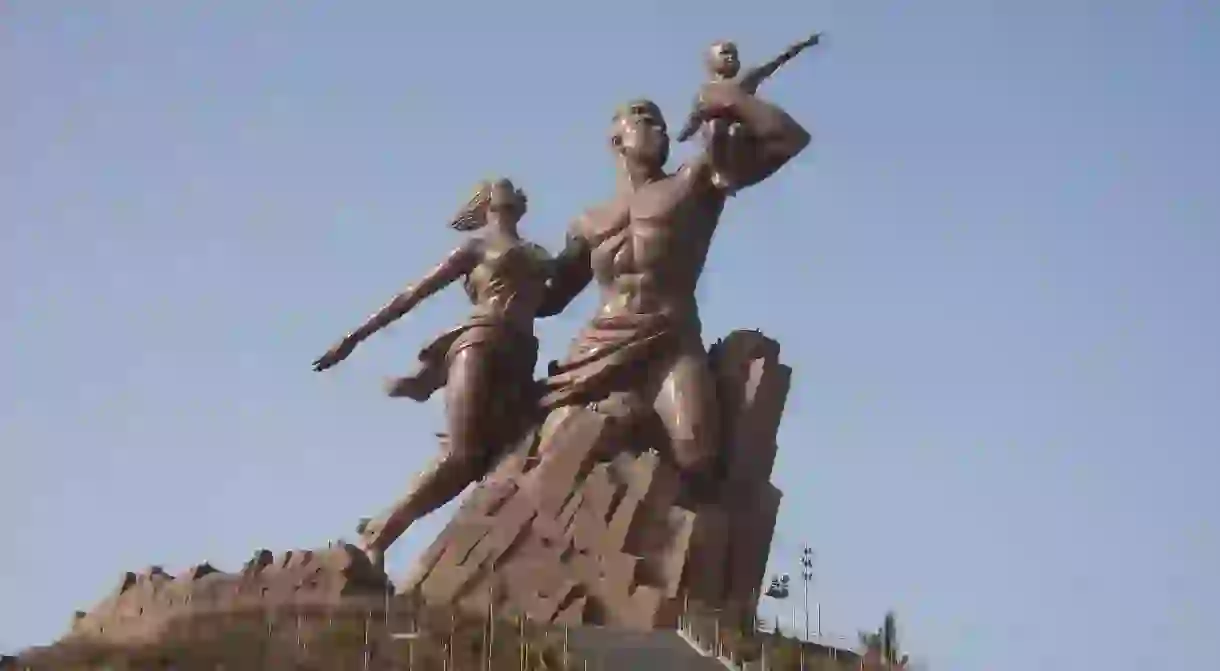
column 570, row 274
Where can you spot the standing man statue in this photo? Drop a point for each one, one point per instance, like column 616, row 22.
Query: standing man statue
column 646, row 248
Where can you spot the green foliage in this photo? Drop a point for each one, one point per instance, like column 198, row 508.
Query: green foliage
column 882, row 645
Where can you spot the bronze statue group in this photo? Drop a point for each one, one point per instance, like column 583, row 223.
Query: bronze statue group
column 646, row 247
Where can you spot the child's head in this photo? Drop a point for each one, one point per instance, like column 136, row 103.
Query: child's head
column 722, row 59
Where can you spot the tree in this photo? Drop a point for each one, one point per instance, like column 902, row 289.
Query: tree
column 881, row 646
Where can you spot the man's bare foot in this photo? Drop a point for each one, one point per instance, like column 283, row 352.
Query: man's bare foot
column 369, row 531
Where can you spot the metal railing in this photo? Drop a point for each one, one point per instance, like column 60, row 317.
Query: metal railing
column 751, row 648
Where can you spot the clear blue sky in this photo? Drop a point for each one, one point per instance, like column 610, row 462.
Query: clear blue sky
column 994, row 273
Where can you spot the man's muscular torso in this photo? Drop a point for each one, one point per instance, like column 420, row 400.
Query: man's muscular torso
column 648, row 246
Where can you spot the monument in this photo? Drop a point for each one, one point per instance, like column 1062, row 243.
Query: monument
column 654, row 452
column 634, row 478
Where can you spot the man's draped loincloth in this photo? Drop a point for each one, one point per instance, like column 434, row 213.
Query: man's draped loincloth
column 612, row 353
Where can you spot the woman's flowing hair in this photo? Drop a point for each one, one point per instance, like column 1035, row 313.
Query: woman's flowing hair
column 473, row 215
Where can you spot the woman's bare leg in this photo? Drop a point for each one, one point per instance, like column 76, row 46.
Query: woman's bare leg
column 449, row 474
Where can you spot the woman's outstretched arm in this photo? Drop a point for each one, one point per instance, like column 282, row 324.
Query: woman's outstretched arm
column 459, row 262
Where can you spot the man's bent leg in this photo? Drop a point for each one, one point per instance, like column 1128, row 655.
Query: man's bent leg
column 687, row 406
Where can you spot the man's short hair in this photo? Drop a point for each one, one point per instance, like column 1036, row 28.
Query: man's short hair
column 639, row 107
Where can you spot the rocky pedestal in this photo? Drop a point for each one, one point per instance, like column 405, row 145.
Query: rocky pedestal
column 145, row 604
column 585, row 523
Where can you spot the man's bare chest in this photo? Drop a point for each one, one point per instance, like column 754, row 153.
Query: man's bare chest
column 657, row 212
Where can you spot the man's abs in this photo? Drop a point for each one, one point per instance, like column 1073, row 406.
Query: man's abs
column 649, row 250
column 641, row 293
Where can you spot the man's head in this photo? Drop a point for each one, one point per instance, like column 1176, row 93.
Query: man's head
column 639, row 133
column 723, row 60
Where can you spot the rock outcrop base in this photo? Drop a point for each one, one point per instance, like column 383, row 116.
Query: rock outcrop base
column 582, row 523
column 145, row 603
column 585, row 523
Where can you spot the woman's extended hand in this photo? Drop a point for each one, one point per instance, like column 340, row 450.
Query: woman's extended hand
column 338, row 353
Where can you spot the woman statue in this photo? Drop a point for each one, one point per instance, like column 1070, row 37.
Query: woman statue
column 486, row 364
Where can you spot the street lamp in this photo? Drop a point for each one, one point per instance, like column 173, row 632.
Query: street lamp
column 807, row 575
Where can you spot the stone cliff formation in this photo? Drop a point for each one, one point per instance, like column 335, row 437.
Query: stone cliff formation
column 586, row 523
column 144, row 604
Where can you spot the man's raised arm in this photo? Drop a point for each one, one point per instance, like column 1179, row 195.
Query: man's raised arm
column 771, row 137
column 571, row 274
